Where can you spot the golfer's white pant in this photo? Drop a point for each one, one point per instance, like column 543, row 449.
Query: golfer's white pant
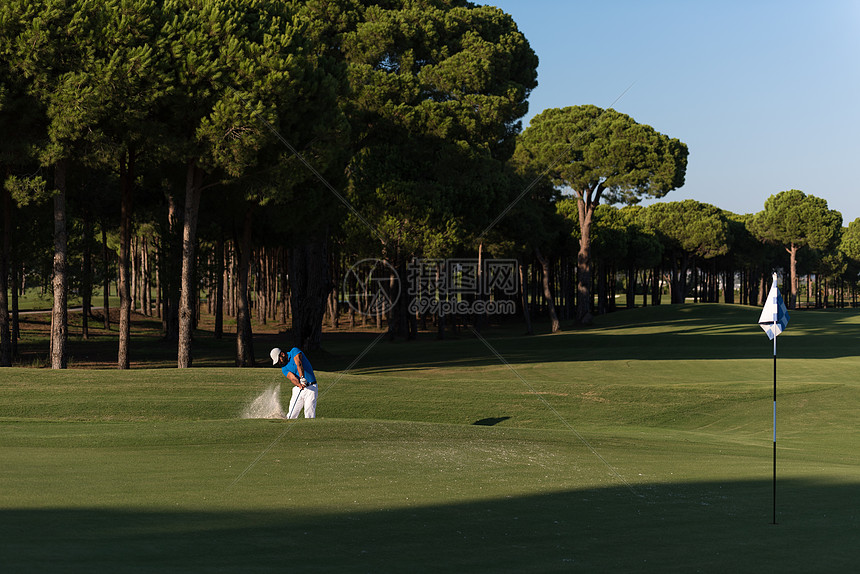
column 303, row 398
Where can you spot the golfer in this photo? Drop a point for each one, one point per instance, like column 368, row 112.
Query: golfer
column 300, row 373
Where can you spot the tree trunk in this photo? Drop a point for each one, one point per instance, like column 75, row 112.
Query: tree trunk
column 547, row 291
column 602, row 295
column 729, row 296
column 334, row 310
column 525, row 300
column 146, row 270
column 285, row 303
column 135, row 275
column 171, row 254
column 565, row 287
column 244, row 335
column 398, row 313
column 193, row 186
column 16, row 331
column 157, row 246
column 5, row 328
column 694, row 272
column 86, row 276
column 441, row 320
column 232, row 275
column 680, row 286
column 480, row 295
column 656, row 288
column 826, row 293
column 271, row 282
column 59, row 313
column 126, row 181
column 644, row 287
column 229, row 265
column 310, row 284
column 219, row 288
column 408, row 321
column 264, row 286
column 631, row 287
column 792, row 251
column 675, row 282
column 106, row 294
column 583, row 264
column 751, row 286
column 611, row 278
column 210, row 285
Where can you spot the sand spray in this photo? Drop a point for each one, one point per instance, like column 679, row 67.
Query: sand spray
column 267, row 405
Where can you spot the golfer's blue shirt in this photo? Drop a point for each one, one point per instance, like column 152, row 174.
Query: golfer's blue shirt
column 291, row 367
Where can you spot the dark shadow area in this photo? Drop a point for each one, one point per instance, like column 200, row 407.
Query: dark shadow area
column 574, row 347
column 147, row 348
column 700, row 527
column 687, row 332
column 490, row 421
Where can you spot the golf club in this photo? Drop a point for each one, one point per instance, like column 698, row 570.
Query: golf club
column 298, row 396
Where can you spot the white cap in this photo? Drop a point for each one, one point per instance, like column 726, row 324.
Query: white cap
column 275, row 354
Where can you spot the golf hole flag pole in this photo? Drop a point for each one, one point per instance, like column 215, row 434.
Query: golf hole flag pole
column 774, row 320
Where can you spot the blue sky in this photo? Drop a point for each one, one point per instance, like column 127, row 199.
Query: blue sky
column 766, row 94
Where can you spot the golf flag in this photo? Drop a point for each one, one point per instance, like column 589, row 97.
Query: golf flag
column 774, row 320
column 774, row 316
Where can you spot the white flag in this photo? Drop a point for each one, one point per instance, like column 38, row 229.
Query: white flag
column 774, row 317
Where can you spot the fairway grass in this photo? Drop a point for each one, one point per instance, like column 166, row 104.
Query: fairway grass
column 643, row 444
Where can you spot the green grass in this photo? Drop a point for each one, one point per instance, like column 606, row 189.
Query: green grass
column 642, row 444
column 34, row 300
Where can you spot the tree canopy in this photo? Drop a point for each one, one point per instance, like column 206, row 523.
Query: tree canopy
column 793, row 220
column 265, row 145
column 599, row 153
column 690, row 229
column 437, row 92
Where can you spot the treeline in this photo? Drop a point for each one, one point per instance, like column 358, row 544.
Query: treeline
column 687, row 250
column 253, row 150
column 267, row 123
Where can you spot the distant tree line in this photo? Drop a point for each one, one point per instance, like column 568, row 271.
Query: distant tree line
column 252, row 150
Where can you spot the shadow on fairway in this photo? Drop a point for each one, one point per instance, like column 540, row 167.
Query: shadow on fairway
column 591, row 346
column 666, row 332
column 711, row 527
column 490, row 421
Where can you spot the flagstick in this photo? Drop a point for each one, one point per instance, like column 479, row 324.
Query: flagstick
column 774, row 320
column 774, row 430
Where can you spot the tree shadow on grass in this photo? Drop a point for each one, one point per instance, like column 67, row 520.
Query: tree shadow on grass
column 667, row 332
column 688, row 344
column 691, row 527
